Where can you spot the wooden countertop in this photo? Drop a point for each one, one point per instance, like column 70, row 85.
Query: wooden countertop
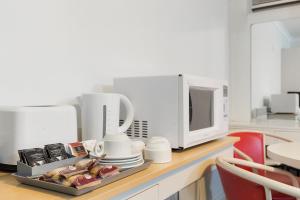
column 11, row 189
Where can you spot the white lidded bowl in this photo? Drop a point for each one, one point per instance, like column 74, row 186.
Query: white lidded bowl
column 158, row 143
column 158, row 149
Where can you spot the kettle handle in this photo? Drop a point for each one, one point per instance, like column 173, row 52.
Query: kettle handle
column 130, row 114
column 79, row 100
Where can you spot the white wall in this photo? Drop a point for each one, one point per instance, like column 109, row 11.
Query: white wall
column 267, row 41
column 239, row 77
column 54, row 50
column 291, row 69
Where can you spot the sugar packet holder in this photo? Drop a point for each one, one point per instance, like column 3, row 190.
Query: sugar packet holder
column 26, row 170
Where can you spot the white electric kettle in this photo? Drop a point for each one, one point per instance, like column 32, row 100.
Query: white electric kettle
column 100, row 114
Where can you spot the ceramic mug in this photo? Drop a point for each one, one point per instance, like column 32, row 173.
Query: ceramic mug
column 118, row 149
column 137, row 146
column 115, row 146
column 95, row 149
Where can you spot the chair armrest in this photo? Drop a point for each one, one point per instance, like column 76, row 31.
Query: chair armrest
column 245, row 156
column 295, row 182
column 268, row 184
column 277, row 137
column 242, row 154
column 275, row 170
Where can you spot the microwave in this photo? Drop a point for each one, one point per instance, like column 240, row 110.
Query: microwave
column 187, row 110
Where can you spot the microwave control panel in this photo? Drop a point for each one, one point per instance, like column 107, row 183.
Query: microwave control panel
column 225, row 105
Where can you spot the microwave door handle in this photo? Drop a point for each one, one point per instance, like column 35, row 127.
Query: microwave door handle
column 104, row 120
column 211, row 110
column 190, row 109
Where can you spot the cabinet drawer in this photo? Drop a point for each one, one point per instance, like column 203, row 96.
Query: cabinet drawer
column 148, row 194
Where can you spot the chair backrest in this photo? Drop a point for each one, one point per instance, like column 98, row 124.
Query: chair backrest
column 252, row 144
column 242, row 184
column 237, row 188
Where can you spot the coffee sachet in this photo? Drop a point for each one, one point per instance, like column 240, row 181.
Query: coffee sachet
column 33, row 157
column 56, row 152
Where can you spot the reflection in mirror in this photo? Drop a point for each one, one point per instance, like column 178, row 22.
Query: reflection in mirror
column 276, row 70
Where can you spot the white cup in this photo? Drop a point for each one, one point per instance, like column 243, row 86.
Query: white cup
column 95, row 149
column 89, row 145
column 137, row 146
column 117, row 145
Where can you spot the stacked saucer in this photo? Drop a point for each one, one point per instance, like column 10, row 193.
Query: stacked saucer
column 125, row 162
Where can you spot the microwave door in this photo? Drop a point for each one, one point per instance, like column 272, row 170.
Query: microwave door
column 201, row 109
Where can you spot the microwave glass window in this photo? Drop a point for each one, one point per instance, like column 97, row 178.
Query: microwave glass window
column 201, row 108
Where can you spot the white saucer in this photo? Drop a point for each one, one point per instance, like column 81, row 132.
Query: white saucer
column 121, row 162
column 122, row 157
column 127, row 165
column 133, row 165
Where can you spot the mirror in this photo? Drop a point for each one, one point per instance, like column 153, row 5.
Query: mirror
column 275, row 71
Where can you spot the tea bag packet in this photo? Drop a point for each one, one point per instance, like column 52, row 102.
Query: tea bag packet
column 22, row 157
column 65, row 172
column 55, row 172
column 71, row 171
column 71, row 176
column 56, row 152
column 77, row 149
column 83, row 181
column 86, row 163
column 95, row 170
column 83, row 174
column 104, row 171
column 108, row 171
column 33, row 157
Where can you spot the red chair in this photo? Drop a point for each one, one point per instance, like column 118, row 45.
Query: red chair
column 252, row 144
column 251, row 147
column 241, row 184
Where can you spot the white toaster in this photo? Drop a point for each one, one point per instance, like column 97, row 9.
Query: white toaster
column 34, row 126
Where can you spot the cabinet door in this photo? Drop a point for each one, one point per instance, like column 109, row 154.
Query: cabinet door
column 149, row 194
column 190, row 192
